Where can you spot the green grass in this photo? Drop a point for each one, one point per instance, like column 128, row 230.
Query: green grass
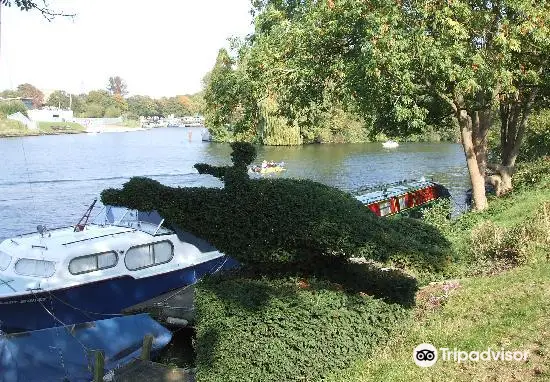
column 9, row 128
column 60, row 128
column 509, row 310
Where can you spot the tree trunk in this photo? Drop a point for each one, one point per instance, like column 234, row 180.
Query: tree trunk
column 478, row 182
column 481, row 124
column 514, row 114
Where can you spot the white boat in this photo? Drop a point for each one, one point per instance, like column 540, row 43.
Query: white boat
column 92, row 271
column 390, row 144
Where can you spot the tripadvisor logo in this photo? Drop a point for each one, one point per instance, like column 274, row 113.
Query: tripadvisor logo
column 426, row 355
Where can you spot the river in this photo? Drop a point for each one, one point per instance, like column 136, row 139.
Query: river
column 51, row 180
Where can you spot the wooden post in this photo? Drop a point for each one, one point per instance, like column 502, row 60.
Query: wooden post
column 147, row 346
column 99, row 366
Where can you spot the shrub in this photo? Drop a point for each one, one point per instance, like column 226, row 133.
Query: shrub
column 532, row 174
column 537, row 137
column 271, row 222
column 501, row 248
column 285, row 330
column 12, row 107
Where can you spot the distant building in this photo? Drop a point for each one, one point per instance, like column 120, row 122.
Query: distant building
column 51, row 114
column 28, row 102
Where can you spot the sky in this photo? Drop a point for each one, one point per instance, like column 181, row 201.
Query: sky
column 160, row 47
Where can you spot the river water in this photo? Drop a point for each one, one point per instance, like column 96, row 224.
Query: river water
column 51, row 180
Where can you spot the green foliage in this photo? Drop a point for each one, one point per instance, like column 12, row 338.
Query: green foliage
column 537, row 137
column 112, row 112
column 12, row 107
column 276, row 222
column 285, row 329
column 533, row 174
column 142, row 106
column 438, row 214
column 59, row 98
column 93, row 110
column 499, row 248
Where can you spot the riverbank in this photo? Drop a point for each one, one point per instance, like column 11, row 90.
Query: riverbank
column 499, row 309
column 494, row 293
column 10, row 129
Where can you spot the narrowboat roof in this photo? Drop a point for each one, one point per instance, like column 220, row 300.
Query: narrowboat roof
column 373, row 194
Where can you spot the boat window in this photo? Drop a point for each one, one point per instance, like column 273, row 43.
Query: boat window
column 147, row 255
column 5, row 261
column 385, row 208
column 91, row 263
column 36, row 268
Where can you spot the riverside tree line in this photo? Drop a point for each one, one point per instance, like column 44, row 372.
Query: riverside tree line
column 312, row 69
column 348, row 70
column 109, row 102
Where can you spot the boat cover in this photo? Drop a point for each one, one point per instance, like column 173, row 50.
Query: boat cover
column 65, row 353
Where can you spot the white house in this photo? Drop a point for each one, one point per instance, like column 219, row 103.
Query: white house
column 51, row 114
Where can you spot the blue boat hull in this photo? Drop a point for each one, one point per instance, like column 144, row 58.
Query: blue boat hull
column 97, row 300
column 62, row 353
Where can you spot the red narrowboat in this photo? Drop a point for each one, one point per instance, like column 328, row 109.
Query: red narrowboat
column 396, row 198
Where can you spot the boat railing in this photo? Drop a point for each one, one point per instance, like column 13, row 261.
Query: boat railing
column 98, row 236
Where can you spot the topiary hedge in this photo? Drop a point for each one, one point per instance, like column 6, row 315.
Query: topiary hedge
column 285, row 329
column 269, row 222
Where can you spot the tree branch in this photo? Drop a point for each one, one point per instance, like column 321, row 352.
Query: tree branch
column 27, row 5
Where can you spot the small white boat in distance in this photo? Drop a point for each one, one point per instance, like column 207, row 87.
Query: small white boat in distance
column 390, row 144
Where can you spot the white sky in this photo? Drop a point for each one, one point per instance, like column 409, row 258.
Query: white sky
column 160, row 47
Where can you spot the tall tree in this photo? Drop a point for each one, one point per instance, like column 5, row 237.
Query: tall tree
column 117, row 86
column 59, row 98
column 30, row 91
column 401, row 61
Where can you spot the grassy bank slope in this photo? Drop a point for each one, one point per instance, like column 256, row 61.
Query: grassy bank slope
column 9, row 128
column 510, row 310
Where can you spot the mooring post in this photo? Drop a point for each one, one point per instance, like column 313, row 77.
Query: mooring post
column 147, row 346
column 99, row 366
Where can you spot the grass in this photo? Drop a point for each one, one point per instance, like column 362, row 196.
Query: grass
column 509, row 310
column 60, row 128
column 9, row 128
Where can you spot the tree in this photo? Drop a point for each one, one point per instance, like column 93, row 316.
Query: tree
column 402, row 61
column 59, row 98
column 142, row 106
column 30, row 91
column 117, row 86
column 27, row 5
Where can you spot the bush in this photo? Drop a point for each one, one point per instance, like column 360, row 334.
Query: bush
column 268, row 223
column 501, row 248
column 532, row 174
column 537, row 137
column 285, row 330
column 112, row 112
column 12, row 107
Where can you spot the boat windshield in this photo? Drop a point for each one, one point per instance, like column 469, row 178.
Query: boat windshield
column 149, row 222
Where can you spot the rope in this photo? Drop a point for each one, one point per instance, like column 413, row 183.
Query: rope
column 28, row 175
